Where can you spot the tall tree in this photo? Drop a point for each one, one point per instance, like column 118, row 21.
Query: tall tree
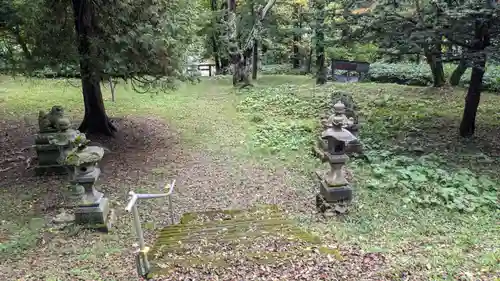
column 138, row 41
column 241, row 50
column 409, row 28
column 95, row 119
column 474, row 26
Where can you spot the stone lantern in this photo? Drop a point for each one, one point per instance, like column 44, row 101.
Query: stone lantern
column 53, row 141
column 92, row 207
column 334, row 187
column 350, row 124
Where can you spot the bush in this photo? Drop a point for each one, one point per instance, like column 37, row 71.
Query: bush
column 359, row 52
column 406, row 74
column 280, row 69
column 420, row 75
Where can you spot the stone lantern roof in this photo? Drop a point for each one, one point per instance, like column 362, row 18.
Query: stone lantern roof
column 337, row 132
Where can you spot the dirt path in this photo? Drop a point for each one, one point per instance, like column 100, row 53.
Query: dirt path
column 145, row 153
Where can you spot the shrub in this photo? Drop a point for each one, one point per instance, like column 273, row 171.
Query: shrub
column 420, row 75
column 359, row 52
column 406, row 74
column 280, row 69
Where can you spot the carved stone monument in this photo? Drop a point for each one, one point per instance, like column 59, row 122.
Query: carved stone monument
column 92, row 208
column 53, row 141
column 334, row 189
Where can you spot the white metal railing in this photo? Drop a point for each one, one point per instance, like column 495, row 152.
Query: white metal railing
column 142, row 257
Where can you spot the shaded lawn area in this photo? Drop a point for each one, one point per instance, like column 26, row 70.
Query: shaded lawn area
column 273, row 125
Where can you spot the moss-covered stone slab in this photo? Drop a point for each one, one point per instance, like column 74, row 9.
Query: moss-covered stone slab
column 219, row 238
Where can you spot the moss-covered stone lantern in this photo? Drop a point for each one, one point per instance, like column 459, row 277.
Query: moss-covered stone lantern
column 333, row 185
column 92, row 207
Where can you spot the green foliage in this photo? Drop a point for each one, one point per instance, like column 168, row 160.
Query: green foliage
column 420, row 75
column 407, row 74
column 358, row 52
column 286, row 120
column 283, row 101
column 132, row 39
column 280, row 69
column 283, row 136
column 423, row 181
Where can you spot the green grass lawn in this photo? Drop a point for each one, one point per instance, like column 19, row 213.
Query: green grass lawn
column 436, row 214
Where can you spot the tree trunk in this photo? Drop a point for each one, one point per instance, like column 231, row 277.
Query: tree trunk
column 255, row 48
column 458, row 72
column 320, row 43
column 240, row 55
column 215, row 45
column 218, row 66
column 22, row 43
column 309, row 59
column 95, row 120
column 481, row 41
column 255, row 59
column 296, row 38
column 434, row 59
column 468, row 124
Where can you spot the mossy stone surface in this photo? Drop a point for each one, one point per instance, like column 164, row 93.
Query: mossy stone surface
column 216, row 238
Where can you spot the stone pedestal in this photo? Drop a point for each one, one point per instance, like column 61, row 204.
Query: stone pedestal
column 333, row 194
column 94, row 216
column 93, row 208
column 50, row 155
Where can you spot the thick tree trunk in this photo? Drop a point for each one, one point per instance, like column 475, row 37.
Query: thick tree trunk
column 240, row 73
column 468, row 124
column 95, row 120
column 438, row 74
column 458, row 72
column 481, row 41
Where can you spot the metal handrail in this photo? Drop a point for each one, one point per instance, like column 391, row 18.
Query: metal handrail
column 132, row 207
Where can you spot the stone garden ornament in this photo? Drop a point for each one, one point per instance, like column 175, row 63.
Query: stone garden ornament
column 334, row 190
column 53, row 141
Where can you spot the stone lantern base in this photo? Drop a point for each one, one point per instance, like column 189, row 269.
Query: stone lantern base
column 335, row 194
column 94, row 216
column 92, row 210
column 334, row 198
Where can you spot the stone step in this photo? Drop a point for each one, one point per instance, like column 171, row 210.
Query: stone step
column 220, row 238
column 224, row 227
